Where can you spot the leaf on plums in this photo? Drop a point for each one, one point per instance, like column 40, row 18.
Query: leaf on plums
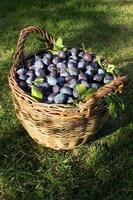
column 81, row 89
column 36, row 93
column 59, row 42
column 115, row 104
column 58, row 46
column 111, row 68
column 88, row 93
column 38, row 80
column 99, row 60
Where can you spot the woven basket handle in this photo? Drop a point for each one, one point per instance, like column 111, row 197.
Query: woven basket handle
column 114, row 86
column 19, row 56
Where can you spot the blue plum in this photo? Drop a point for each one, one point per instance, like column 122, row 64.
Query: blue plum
column 62, row 54
column 48, row 55
column 23, row 77
column 38, row 64
column 30, row 72
column 61, row 81
column 51, row 80
column 30, row 79
column 23, row 85
column 73, row 71
column 21, row 71
column 82, row 76
column 74, row 51
column 61, row 65
column 70, row 100
column 50, row 98
column 88, row 85
column 98, row 77
column 81, row 64
column 107, row 79
column 95, row 85
column 56, row 89
column 61, row 98
column 44, row 86
column 81, row 54
column 51, row 67
column 55, row 60
column 101, row 71
column 66, row 90
column 39, row 72
column 46, row 61
column 72, row 83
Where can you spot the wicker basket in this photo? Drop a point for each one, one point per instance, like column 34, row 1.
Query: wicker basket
column 58, row 126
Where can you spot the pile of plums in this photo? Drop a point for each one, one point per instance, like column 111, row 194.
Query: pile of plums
column 61, row 73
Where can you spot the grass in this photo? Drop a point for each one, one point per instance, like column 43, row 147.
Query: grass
column 99, row 170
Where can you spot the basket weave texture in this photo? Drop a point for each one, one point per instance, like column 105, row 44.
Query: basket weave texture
column 58, row 126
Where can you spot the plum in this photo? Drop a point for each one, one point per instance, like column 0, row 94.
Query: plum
column 88, row 85
column 30, row 79
column 44, row 86
column 23, row 85
column 51, row 80
column 72, row 83
column 55, row 60
column 70, row 100
column 70, row 77
column 81, row 64
column 87, row 57
column 98, row 77
column 51, row 97
column 48, row 55
column 60, row 80
column 73, row 71
column 107, row 79
column 54, row 73
column 61, row 98
column 56, row 89
column 95, row 85
column 23, row 77
column 38, row 64
column 74, row 51
column 61, row 54
column 81, row 54
column 71, row 64
column 61, row 65
column 21, row 71
column 101, row 71
column 46, row 61
column 51, row 67
column 39, row 72
column 82, row 76
column 66, row 90
column 30, row 72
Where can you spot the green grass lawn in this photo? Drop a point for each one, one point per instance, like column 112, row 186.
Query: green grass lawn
column 102, row 168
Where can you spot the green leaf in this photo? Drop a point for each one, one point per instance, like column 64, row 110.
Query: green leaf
column 38, row 80
column 115, row 104
column 81, row 89
column 118, row 101
column 88, row 93
column 99, row 60
column 59, row 42
column 111, row 68
column 36, row 93
column 58, row 46
column 112, row 110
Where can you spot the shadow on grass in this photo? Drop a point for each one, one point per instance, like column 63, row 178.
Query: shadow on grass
column 32, row 172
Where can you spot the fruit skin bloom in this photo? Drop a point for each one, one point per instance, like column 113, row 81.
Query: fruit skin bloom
column 56, row 77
